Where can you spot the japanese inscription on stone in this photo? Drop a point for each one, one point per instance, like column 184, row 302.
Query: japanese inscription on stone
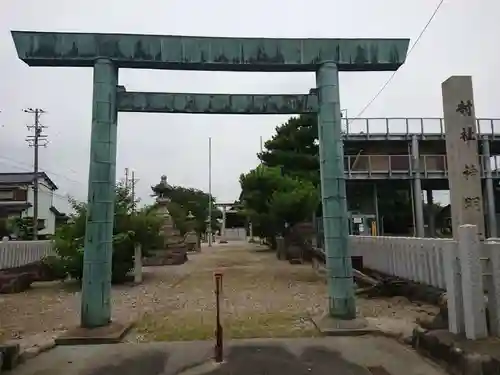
column 465, row 109
column 469, row 170
column 467, row 134
column 462, row 154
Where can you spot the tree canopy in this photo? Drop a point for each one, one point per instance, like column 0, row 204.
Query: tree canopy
column 294, row 148
column 273, row 200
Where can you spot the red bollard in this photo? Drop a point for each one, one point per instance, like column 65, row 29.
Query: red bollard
column 219, row 345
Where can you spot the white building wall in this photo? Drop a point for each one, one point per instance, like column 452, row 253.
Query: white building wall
column 45, row 201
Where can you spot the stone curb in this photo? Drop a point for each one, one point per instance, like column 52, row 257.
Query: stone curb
column 34, row 351
column 456, row 360
column 12, row 355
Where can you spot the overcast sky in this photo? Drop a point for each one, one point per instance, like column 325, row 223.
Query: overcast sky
column 462, row 39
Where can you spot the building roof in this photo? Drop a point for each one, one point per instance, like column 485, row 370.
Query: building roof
column 14, row 206
column 58, row 213
column 24, row 178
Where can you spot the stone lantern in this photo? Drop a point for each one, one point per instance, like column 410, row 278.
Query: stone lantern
column 190, row 219
column 191, row 237
column 174, row 248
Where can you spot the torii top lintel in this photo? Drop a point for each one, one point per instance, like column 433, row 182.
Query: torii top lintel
column 207, row 53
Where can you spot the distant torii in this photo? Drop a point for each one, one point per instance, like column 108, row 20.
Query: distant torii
column 224, row 207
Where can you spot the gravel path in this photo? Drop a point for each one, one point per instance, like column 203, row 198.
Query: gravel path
column 263, row 297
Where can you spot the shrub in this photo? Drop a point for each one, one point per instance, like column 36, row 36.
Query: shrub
column 129, row 229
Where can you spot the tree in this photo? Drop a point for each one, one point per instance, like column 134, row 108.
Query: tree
column 295, row 148
column 22, row 227
column 129, row 229
column 273, row 200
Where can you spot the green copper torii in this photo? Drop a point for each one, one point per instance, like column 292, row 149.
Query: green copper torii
column 333, row 194
column 106, row 53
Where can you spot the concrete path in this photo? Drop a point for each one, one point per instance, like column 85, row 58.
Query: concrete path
column 316, row 356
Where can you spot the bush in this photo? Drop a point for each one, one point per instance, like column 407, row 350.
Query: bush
column 129, row 229
column 54, row 267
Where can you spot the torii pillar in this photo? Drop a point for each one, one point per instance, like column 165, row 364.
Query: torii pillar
column 223, row 229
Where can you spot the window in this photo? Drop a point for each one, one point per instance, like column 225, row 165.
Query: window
column 6, row 195
column 41, row 224
column 20, row 195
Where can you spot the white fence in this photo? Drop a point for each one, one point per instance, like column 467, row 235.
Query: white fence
column 19, row 253
column 467, row 268
column 235, row 234
column 416, row 259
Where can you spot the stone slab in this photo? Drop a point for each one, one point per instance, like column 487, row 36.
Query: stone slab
column 330, row 326
column 110, row 334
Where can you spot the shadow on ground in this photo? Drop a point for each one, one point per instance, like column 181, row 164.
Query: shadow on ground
column 150, row 363
column 249, row 360
column 317, row 356
column 243, row 360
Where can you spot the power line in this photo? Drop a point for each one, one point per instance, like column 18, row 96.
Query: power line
column 384, row 86
column 30, row 166
column 13, row 162
column 35, row 141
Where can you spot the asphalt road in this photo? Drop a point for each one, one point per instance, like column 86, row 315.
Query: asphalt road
column 312, row 356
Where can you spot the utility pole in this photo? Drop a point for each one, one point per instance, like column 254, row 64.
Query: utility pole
column 126, row 178
column 133, row 181
column 35, row 141
column 210, row 191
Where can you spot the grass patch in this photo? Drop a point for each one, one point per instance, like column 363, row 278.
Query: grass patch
column 191, row 326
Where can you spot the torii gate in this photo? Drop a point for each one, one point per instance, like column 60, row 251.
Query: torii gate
column 224, row 207
column 107, row 53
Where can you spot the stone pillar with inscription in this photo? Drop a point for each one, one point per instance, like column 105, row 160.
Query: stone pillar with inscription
column 462, row 154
